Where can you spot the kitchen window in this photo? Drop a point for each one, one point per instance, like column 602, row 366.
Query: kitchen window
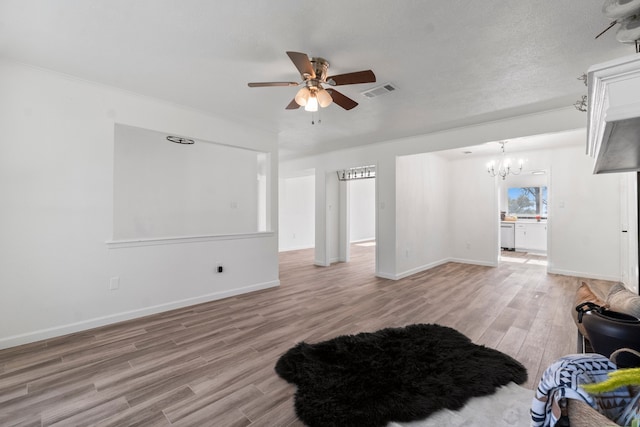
column 527, row 201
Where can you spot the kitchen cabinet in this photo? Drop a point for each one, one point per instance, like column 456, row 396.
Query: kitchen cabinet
column 614, row 115
column 531, row 236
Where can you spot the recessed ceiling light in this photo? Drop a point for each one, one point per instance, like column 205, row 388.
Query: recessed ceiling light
column 540, row 172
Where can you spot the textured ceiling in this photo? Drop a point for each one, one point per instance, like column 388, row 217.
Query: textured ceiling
column 454, row 63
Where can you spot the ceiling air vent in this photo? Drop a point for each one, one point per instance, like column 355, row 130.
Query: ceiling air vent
column 379, row 90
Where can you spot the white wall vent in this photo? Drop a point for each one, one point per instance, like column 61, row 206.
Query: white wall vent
column 379, row 90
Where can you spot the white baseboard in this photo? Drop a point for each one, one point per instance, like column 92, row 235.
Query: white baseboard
column 328, row 263
column 421, row 268
column 384, row 275
column 407, row 273
column 425, row 267
column 296, row 248
column 585, row 275
column 84, row 325
column 410, row 272
column 474, row 262
column 368, row 239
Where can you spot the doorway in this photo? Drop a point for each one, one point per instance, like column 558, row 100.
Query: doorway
column 358, row 222
column 357, row 213
column 524, row 217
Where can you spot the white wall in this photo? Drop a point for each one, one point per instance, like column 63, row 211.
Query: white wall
column 476, row 202
column 332, row 217
column 473, row 213
column 585, row 217
column 164, row 189
column 56, row 181
column 297, row 212
column 584, row 213
column 473, row 241
column 362, row 210
column 629, row 222
column 422, row 213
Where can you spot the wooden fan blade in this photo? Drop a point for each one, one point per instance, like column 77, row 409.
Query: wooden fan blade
column 342, row 100
column 269, row 84
column 293, row 105
column 302, row 63
column 366, row 76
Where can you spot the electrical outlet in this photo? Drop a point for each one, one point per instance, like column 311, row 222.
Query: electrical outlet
column 114, row 283
column 468, row 245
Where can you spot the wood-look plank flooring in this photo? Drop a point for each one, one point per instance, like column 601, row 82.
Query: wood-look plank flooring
column 212, row 364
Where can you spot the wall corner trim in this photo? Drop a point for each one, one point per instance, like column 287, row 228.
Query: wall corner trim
column 412, row 271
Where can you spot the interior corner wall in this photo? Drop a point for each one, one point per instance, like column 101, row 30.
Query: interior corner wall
column 422, row 202
column 56, row 180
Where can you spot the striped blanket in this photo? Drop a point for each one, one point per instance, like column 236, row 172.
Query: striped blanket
column 563, row 380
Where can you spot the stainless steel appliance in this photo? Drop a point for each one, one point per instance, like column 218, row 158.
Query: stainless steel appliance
column 508, row 236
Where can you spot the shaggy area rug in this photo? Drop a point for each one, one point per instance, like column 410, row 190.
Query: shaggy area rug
column 395, row 374
column 509, row 406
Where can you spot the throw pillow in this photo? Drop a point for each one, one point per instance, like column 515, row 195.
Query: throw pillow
column 623, row 300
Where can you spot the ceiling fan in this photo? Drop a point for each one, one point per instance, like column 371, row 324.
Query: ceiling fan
column 314, row 75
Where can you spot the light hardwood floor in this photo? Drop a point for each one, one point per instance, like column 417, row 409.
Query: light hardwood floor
column 212, row 364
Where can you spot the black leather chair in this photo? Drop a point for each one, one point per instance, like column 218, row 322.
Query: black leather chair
column 608, row 331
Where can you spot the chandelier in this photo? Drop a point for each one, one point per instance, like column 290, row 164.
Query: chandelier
column 503, row 167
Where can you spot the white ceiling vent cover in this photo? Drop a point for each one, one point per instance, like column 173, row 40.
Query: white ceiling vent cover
column 379, row 90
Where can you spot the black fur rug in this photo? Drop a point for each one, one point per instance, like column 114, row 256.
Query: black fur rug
column 395, row 374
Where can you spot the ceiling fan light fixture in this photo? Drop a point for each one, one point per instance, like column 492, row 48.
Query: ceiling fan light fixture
column 312, row 103
column 303, row 96
column 314, row 74
column 324, row 98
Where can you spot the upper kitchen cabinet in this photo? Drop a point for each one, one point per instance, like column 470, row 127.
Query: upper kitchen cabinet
column 614, row 115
